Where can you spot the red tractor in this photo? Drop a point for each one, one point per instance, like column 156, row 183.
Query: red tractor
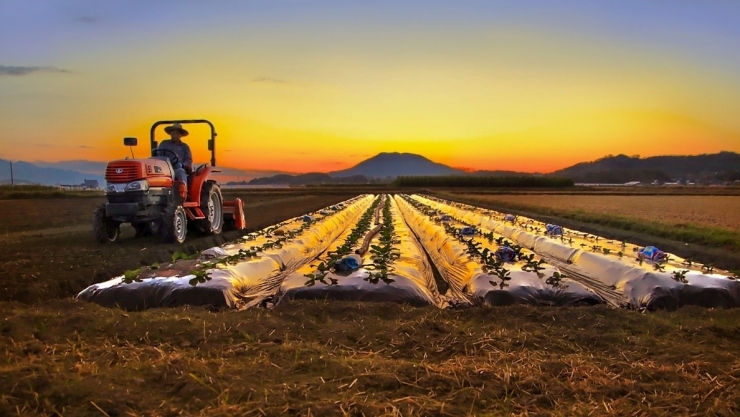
column 143, row 192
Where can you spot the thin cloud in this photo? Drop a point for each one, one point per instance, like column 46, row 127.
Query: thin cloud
column 19, row 71
column 269, row 80
column 85, row 147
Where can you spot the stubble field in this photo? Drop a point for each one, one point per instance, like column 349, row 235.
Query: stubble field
column 710, row 211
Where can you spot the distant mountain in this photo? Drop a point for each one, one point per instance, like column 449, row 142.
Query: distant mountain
column 623, row 168
column 80, row 165
column 384, row 167
column 381, row 168
column 30, row 173
column 396, row 164
column 305, row 179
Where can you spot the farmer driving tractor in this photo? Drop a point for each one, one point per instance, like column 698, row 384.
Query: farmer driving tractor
column 164, row 194
column 184, row 161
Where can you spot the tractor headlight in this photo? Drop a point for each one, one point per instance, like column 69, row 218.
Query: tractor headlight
column 142, row 185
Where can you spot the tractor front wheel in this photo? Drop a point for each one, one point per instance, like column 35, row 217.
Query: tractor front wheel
column 174, row 227
column 212, row 206
column 105, row 229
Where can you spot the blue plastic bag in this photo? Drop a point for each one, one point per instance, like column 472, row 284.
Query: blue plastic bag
column 467, row 231
column 505, row 254
column 347, row 264
column 554, row 230
column 652, row 253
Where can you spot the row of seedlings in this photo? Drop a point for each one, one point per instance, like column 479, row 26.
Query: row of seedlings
column 379, row 260
column 234, row 274
column 489, row 269
column 643, row 277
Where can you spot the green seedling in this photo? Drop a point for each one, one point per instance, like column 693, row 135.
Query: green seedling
column 526, row 258
column 320, row 275
column 503, row 275
column 555, row 280
column 200, row 276
column 131, row 276
column 659, row 267
column 381, row 275
column 606, row 251
column 517, row 249
column 680, row 276
column 182, row 255
column 708, row 268
column 474, row 248
column 532, row 266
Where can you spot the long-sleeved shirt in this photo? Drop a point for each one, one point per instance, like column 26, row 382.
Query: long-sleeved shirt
column 181, row 149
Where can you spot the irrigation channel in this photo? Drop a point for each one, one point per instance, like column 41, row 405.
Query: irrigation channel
column 398, row 248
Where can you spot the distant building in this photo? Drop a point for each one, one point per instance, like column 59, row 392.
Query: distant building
column 86, row 185
column 91, row 184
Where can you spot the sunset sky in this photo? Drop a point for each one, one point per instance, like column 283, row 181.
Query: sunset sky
column 321, row 85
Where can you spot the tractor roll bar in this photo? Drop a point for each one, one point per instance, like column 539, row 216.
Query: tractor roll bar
column 211, row 141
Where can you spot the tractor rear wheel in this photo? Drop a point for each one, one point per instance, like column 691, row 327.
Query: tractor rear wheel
column 174, row 226
column 212, row 206
column 105, row 229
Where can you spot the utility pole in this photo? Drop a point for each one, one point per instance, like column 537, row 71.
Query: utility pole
column 12, row 180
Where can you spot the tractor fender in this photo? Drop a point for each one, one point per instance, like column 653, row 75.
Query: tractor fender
column 199, row 177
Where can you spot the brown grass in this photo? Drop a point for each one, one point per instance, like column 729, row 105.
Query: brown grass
column 710, row 211
column 319, row 358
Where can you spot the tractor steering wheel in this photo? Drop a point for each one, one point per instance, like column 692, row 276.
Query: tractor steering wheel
column 174, row 158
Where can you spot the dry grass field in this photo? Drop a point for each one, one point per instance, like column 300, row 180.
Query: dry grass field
column 710, row 211
column 66, row 358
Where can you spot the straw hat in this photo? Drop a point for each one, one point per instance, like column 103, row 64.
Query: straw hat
column 177, row 127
